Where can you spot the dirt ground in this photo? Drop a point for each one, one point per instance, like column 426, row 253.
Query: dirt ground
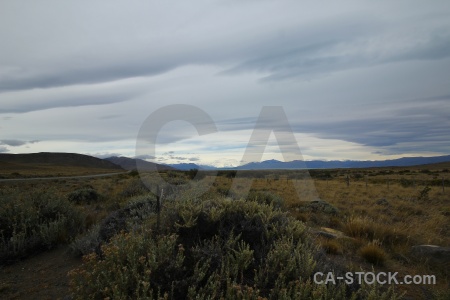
column 43, row 276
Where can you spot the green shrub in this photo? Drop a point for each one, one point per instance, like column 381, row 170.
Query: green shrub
column 34, row 222
column 84, row 196
column 134, row 173
column 319, row 206
column 134, row 188
column 268, row 198
column 87, row 243
column 218, row 249
column 224, row 191
column 122, row 220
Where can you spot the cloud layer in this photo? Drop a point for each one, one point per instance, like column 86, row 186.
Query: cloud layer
column 356, row 80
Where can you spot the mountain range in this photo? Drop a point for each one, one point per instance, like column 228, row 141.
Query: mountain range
column 131, row 164
column 323, row 164
column 40, row 160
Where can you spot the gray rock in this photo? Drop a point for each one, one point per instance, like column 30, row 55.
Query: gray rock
column 329, row 233
column 432, row 252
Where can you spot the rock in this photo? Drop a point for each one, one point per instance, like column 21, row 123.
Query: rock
column 329, row 233
column 434, row 253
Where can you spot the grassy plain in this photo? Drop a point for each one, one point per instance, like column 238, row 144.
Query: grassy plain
column 376, row 214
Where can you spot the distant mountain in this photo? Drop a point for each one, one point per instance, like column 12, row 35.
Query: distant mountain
column 189, row 166
column 31, row 160
column 335, row 164
column 130, row 164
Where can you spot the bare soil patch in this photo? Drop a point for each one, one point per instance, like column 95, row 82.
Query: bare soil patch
column 43, row 276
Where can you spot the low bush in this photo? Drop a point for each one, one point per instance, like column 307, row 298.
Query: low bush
column 219, row 249
column 319, row 206
column 134, row 188
column 121, row 220
column 84, row 196
column 30, row 223
column 268, row 198
column 423, row 194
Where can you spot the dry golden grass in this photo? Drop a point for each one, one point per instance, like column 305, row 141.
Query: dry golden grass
column 382, row 219
column 331, row 246
column 373, row 254
column 42, row 170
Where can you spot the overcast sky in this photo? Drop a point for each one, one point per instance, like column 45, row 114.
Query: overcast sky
column 356, row 79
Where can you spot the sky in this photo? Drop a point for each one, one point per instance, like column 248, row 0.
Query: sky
column 356, row 80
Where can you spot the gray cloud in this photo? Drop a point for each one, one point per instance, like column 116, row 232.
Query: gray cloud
column 74, row 96
column 16, row 143
column 13, row 143
column 374, row 74
column 105, row 155
column 290, row 48
column 3, row 149
column 348, row 52
column 424, row 125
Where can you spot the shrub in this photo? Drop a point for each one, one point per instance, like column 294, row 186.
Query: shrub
column 319, row 206
column 224, row 191
column 406, row 182
column 84, row 196
column 423, row 194
column 122, row 220
column 266, row 198
column 192, row 173
column 208, row 250
column 34, row 222
column 134, row 188
column 87, row 243
column 134, row 173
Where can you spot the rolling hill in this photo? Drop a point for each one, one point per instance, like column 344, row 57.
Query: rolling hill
column 130, row 164
column 53, row 164
column 59, row 159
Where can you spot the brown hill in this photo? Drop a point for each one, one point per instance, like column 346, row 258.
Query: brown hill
column 61, row 159
column 53, row 164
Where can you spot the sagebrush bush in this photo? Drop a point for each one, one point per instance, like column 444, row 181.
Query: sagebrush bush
column 319, row 206
column 134, row 188
column 87, row 243
column 218, row 249
column 84, row 196
column 264, row 197
column 122, row 220
column 34, row 222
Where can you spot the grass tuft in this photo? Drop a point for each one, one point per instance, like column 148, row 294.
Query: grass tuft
column 374, row 254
